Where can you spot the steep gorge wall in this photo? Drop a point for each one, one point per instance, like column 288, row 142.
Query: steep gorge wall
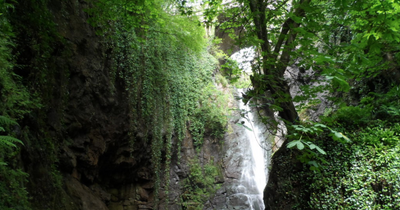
column 77, row 150
column 84, row 118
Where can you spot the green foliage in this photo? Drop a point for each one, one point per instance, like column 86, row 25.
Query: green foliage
column 14, row 98
column 27, row 74
column 12, row 180
column 7, row 142
column 231, row 70
column 363, row 175
column 375, row 28
column 306, row 135
column 37, row 43
column 13, row 193
column 243, row 82
column 219, row 79
column 147, row 16
column 374, row 106
column 200, row 184
column 341, row 41
column 236, row 76
column 162, row 59
column 38, row 82
column 352, row 116
column 388, row 136
column 385, row 106
column 320, row 35
column 210, row 117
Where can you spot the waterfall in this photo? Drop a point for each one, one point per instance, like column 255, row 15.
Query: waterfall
column 254, row 160
column 246, row 160
column 253, row 177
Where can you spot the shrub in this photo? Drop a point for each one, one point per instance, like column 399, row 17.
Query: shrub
column 12, row 192
column 352, row 116
column 200, row 184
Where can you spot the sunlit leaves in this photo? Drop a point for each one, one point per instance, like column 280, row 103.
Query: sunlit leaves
column 142, row 16
column 297, row 143
column 338, row 136
column 375, row 30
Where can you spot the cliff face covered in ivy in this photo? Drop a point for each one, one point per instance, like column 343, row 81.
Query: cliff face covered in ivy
column 123, row 104
column 108, row 111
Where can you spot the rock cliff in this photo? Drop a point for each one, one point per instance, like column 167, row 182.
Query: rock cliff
column 78, row 150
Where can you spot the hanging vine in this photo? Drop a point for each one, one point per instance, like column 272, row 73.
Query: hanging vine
column 163, row 61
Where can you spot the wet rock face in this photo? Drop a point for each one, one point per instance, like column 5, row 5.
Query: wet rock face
column 240, row 187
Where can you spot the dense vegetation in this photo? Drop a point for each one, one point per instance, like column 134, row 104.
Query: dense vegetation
column 349, row 157
column 161, row 54
column 14, row 102
column 163, row 60
column 360, row 174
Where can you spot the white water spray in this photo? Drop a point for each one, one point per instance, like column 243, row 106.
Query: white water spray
column 248, row 157
column 253, row 178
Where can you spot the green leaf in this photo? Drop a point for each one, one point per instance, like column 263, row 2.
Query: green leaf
column 338, row 135
column 313, row 146
column 7, row 121
column 300, row 145
column 341, row 83
column 9, row 141
column 320, row 150
column 322, row 58
column 291, row 144
column 320, row 125
column 313, row 163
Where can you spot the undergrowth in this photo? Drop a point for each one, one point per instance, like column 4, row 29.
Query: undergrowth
column 361, row 174
column 199, row 185
column 14, row 103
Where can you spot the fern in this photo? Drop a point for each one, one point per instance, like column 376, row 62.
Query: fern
column 5, row 121
column 8, row 141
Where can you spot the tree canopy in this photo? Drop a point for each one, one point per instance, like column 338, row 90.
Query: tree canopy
column 339, row 39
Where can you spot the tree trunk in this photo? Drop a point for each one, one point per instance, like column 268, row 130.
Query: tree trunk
column 273, row 68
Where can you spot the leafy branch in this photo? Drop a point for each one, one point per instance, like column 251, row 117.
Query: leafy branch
column 304, row 136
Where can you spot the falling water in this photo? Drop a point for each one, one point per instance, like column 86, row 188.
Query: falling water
column 245, row 163
column 253, row 178
column 247, row 158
